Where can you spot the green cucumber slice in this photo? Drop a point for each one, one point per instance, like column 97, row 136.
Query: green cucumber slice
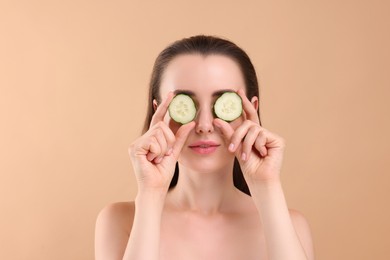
column 182, row 109
column 228, row 106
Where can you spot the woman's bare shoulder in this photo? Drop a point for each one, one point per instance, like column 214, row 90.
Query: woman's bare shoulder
column 118, row 215
column 123, row 207
column 302, row 228
column 112, row 231
column 299, row 220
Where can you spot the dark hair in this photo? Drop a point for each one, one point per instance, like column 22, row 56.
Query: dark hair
column 203, row 45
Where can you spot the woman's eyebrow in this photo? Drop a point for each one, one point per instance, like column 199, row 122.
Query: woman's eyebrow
column 191, row 93
column 182, row 91
column 220, row 92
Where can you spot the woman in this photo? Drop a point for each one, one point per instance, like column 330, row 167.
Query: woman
column 188, row 204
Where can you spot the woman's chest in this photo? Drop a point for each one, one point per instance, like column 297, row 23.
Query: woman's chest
column 192, row 237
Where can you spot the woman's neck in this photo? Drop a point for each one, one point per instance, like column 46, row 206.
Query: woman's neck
column 204, row 192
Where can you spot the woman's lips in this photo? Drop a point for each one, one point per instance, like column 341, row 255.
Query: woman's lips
column 204, row 147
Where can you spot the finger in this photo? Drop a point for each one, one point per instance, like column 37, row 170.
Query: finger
column 260, row 143
column 151, row 156
column 154, row 149
column 166, row 140
column 167, row 132
column 248, row 107
column 249, row 140
column 160, row 137
column 181, row 137
column 240, row 133
column 158, row 159
column 161, row 134
column 271, row 141
column 169, row 137
column 162, row 109
column 226, row 130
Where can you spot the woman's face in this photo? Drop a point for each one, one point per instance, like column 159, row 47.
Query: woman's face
column 206, row 77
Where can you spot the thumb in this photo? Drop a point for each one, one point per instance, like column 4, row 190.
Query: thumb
column 181, row 137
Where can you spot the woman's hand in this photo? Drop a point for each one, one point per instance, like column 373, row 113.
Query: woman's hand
column 259, row 152
column 154, row 154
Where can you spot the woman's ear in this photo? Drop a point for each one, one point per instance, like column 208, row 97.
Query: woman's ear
column 155, row 105
column 255, row 102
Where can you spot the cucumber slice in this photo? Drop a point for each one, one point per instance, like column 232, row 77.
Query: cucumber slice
column 182, row 109
column 228, row 106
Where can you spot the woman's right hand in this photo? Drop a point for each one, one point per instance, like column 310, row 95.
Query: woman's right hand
column 155, row 153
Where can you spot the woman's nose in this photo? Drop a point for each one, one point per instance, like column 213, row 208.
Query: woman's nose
column 204, row 121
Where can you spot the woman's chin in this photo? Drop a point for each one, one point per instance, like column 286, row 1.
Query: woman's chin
column 206, row 163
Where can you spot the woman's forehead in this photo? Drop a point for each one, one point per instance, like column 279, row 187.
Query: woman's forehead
column 202, row 74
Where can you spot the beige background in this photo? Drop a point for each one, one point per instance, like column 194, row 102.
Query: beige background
column 73, row 79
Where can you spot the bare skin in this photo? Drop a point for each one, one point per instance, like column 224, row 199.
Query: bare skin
column 190, row 235
column 204, row 216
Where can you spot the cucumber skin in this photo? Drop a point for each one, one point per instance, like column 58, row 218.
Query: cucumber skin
column 174, row 118
column 215, row 114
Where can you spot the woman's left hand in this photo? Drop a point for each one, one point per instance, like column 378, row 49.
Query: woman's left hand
column 259, row 152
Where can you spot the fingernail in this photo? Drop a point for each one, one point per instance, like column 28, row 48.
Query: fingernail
column 231, row 147
column 243, row 156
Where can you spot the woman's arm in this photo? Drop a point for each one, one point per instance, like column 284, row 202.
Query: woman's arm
column 154, row 156
column 287, row 233
column 260, row 154
column 144, row 240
